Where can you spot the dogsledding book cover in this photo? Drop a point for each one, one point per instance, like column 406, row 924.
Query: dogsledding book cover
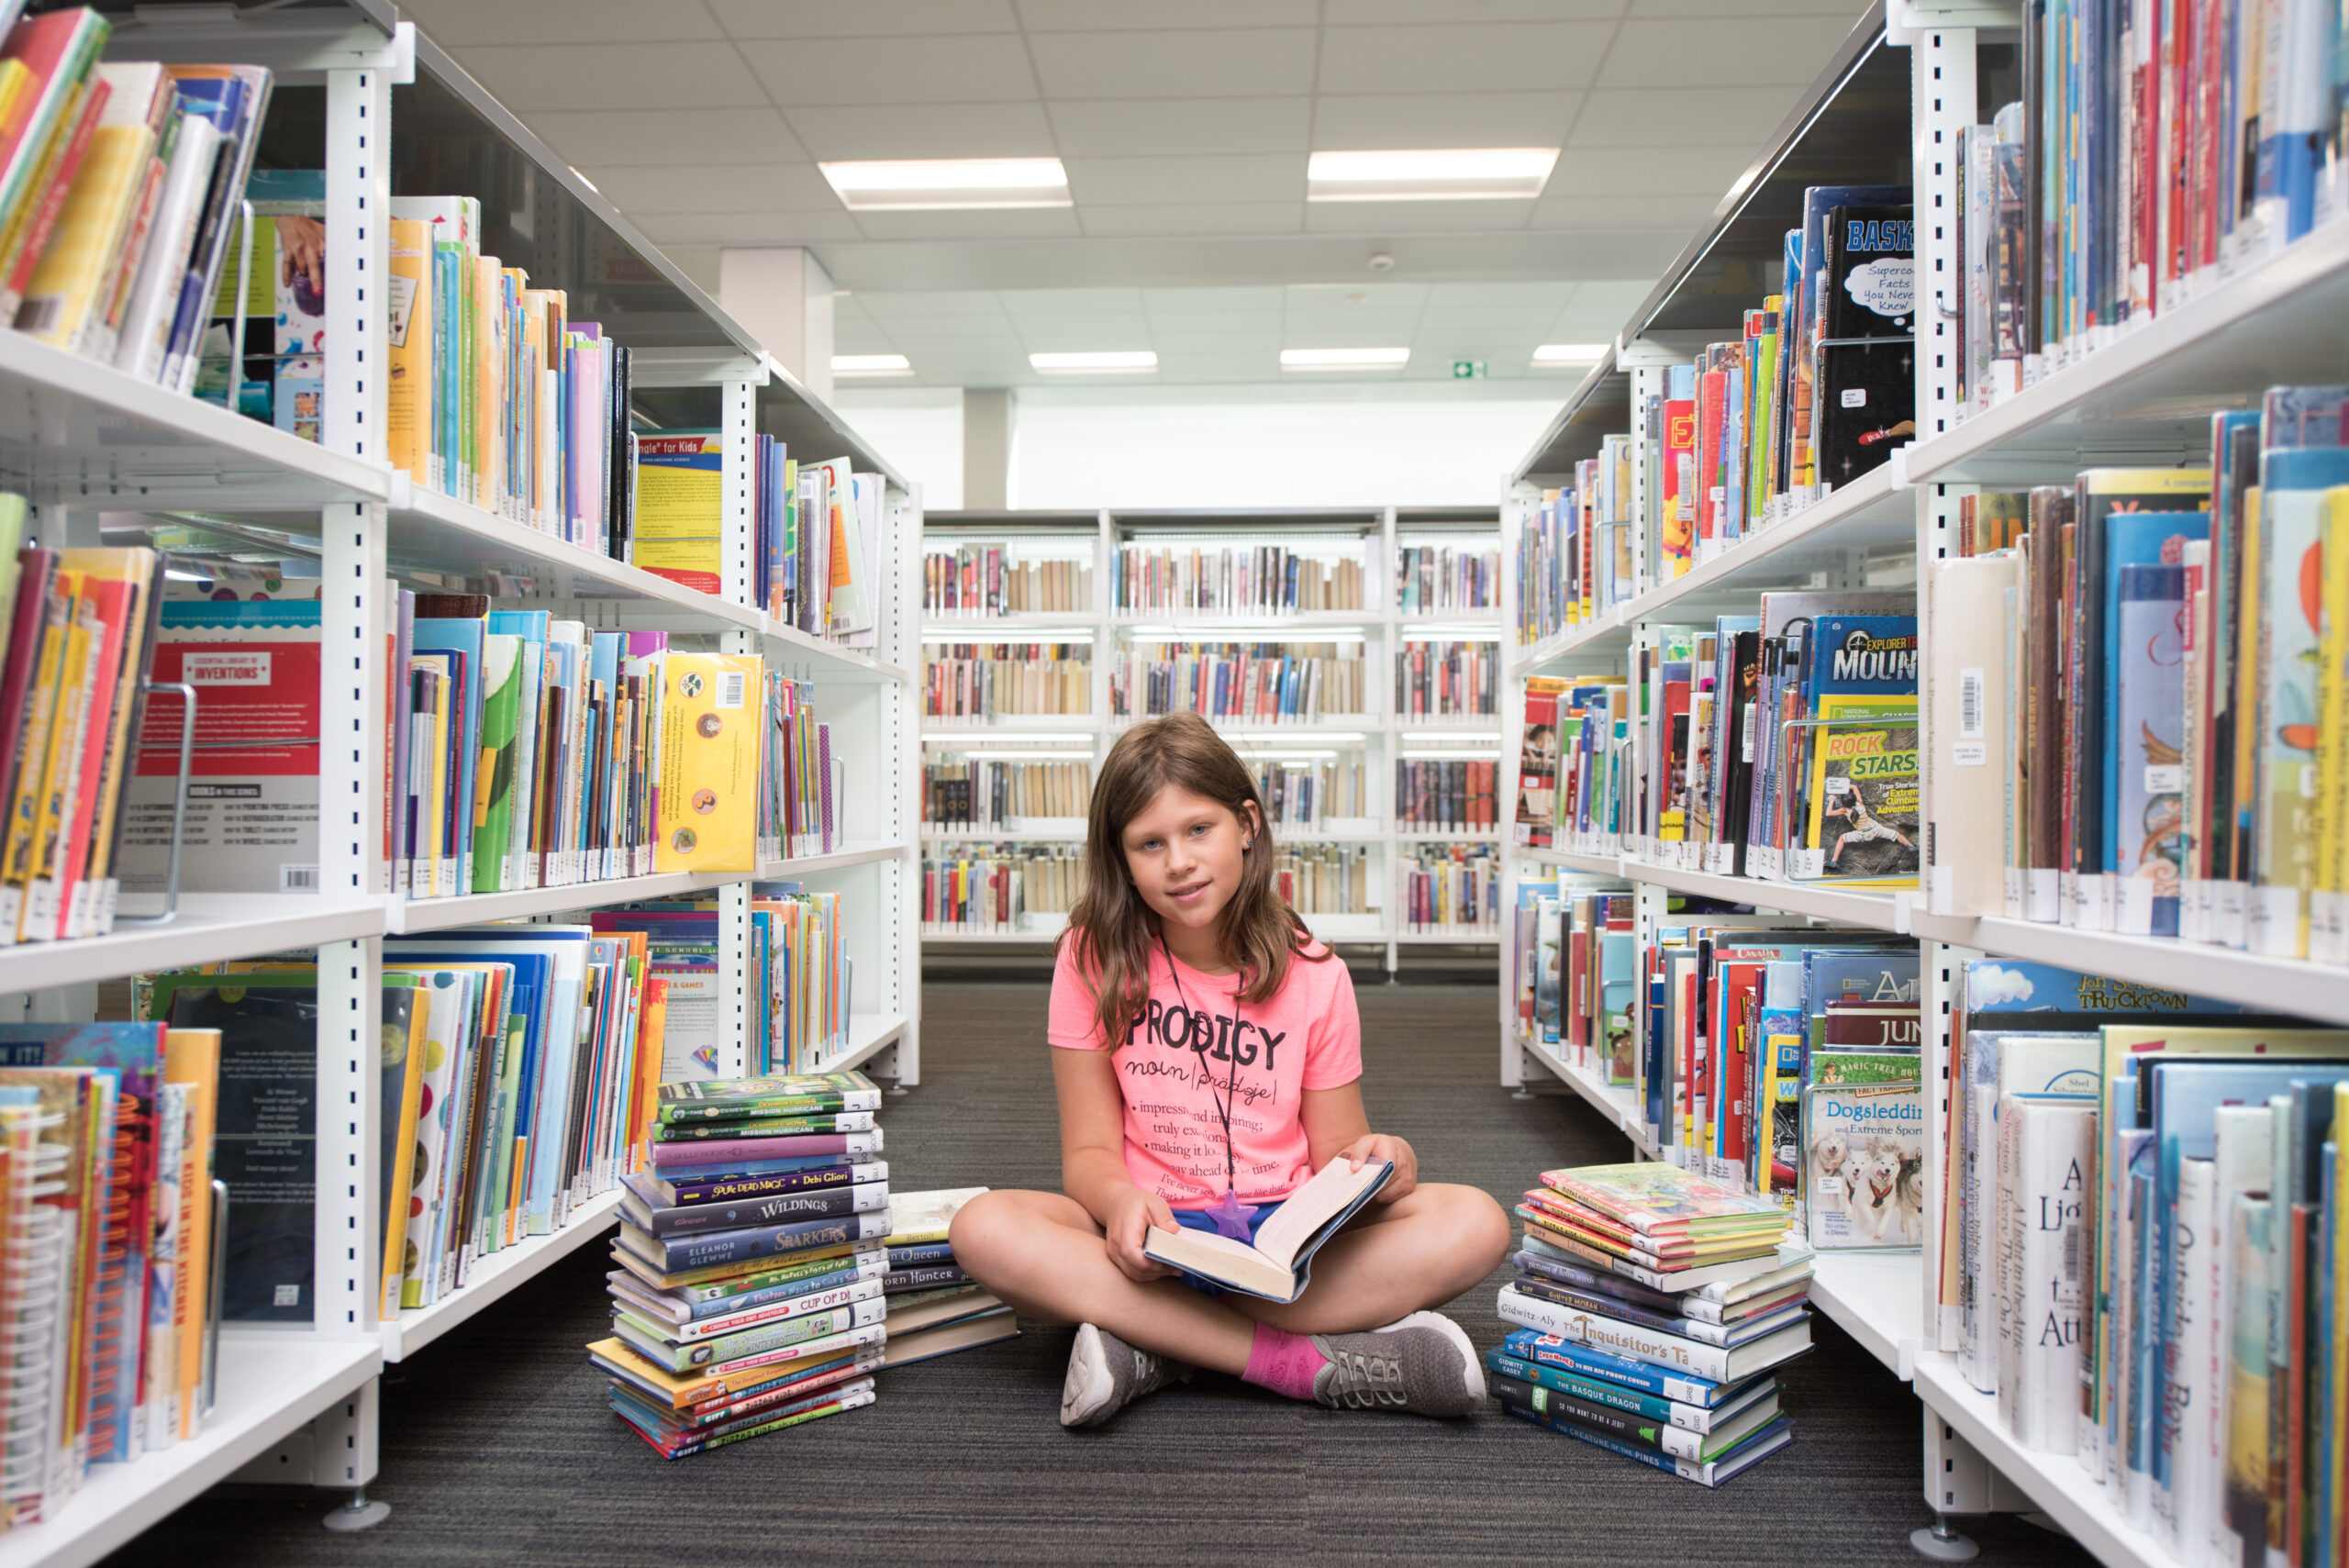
column 1864, row 1153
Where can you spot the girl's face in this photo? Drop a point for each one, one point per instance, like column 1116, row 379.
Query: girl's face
column 1183, row 851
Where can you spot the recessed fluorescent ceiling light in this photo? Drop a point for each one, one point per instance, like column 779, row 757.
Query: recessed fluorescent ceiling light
column 1449, row 175
column 1570, row 353
column 1343, row 359
column 1107, row 359
column 872, row 364
column 923, row 184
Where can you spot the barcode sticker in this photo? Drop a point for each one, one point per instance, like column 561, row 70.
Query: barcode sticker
column 297, row 879
column 730, row 687
column 1970, row 687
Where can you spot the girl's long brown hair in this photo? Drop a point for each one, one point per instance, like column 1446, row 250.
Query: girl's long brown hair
column 1112, row 927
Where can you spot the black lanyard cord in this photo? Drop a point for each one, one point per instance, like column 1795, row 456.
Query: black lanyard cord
column 1231, row 1088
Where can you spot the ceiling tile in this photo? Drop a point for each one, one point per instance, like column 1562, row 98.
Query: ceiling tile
column 1726, row 51
column 1744, row 9
column 1416, row 218
column 1679, row 215
column 1740, row 116
column 1237, row 177
column 865, row 18
column 749, row 228
column 970, row 333
column 1196, row 218
column 1091, row 15
column 1207, row 340
column 1071, row 302
column 1651, row 170
column 1345, row 121
column 1354, row 297
column 1499, row 57
column 528, row 78
column 600, row 139
column 1002, row 223
column 748, row 188
column 1346, row 13
column 908, row 304
column 925, row 131
column 1126, row 127
column 454, row 24
column 1615, row 293
column 973, row 69
column 1536, row 295
column 1209, row 63
column 1170, row 301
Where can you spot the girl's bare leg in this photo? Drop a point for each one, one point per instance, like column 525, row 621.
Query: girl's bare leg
column 1043, row 1254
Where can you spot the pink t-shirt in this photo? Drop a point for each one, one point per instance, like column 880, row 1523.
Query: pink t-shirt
column 1307, row 1036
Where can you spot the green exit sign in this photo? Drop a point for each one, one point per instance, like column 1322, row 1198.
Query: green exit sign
column 1467, row 370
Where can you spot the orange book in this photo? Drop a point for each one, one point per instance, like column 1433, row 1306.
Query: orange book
column 193, row 1057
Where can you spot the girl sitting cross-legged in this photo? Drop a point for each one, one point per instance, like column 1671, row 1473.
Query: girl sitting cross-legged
column 1208, row 1058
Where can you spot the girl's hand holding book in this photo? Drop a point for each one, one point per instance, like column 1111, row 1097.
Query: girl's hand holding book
column 1373, row 1147
column 1129, row 1215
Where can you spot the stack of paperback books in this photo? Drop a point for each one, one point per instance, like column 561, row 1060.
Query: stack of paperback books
column 935, row 1308
column 1653, row 1308
column 753, row 1255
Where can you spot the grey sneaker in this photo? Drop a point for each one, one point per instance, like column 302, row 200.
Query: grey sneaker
column 1106, row 1374
column 1423, row 1364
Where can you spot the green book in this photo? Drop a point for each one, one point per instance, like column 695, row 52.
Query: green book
column 501, row 659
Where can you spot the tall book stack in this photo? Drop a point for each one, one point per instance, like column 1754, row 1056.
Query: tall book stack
column 750, row 1292
column 1652, row 1309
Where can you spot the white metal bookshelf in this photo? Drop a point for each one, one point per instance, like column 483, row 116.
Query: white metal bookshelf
column 85, row 442
column 1380, row 733
column 2142, row 397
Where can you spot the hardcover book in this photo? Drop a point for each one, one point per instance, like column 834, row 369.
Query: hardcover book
column 1277, row 1267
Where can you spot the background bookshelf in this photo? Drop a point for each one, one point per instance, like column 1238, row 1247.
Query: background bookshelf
column 1889, row 109
column 1347, row 760
column 104, row 457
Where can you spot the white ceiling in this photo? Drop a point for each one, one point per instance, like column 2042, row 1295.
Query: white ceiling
column 1184, row 125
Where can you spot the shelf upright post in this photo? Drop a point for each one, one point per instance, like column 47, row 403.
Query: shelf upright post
column 1514, row 502
column 1648, row 380
column 348, row 1241
column 899, row 922
column 737, row 425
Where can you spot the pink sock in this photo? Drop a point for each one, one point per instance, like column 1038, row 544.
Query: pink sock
column 1283, row 1362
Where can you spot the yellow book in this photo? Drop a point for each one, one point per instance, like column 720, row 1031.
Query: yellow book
column 70, row 287
column 193, row 1057
column 710, row 720
column 21, row 852
column 408, row 407
column 401, row 1161
column 2329, row 899
column 925, row 1216
column 489, row 383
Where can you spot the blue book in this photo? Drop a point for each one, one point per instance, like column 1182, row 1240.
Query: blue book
column 2134, row 540
column 2144, row 775
column 1550, row 1350
column 2003, row 987
column 1704, row 1473
column 1852, row 975
column 460, row 641
column 676, row 1254
column 921, row 1254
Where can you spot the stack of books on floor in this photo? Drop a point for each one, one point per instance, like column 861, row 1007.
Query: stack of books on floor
column 935, row 1308
column 1652, row 1309
column 749, row 1295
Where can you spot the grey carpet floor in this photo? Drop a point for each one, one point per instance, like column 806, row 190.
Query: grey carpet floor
column 497, row 1447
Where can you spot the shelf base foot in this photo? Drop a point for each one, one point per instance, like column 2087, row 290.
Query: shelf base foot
column 1524, row 1094
column 358, row 1514
column 1943, row 1544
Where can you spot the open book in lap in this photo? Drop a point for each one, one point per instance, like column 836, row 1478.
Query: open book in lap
column 1277, row 1266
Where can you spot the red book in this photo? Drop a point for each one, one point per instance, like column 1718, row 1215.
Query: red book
column 56, row 177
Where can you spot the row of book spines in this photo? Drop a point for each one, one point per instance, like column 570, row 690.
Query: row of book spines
column 496, row 397
column 967, row 794
column 975, row 580
column 1261, row 578
column 80, row 629
column 1441, row 578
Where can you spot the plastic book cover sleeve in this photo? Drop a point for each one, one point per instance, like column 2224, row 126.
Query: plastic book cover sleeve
column 1650, row 1195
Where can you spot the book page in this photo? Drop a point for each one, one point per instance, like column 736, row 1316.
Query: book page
column 1334, row 1186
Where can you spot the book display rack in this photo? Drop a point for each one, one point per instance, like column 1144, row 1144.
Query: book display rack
column 102, row 455
column 1389, row 622
column 1895, row 109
